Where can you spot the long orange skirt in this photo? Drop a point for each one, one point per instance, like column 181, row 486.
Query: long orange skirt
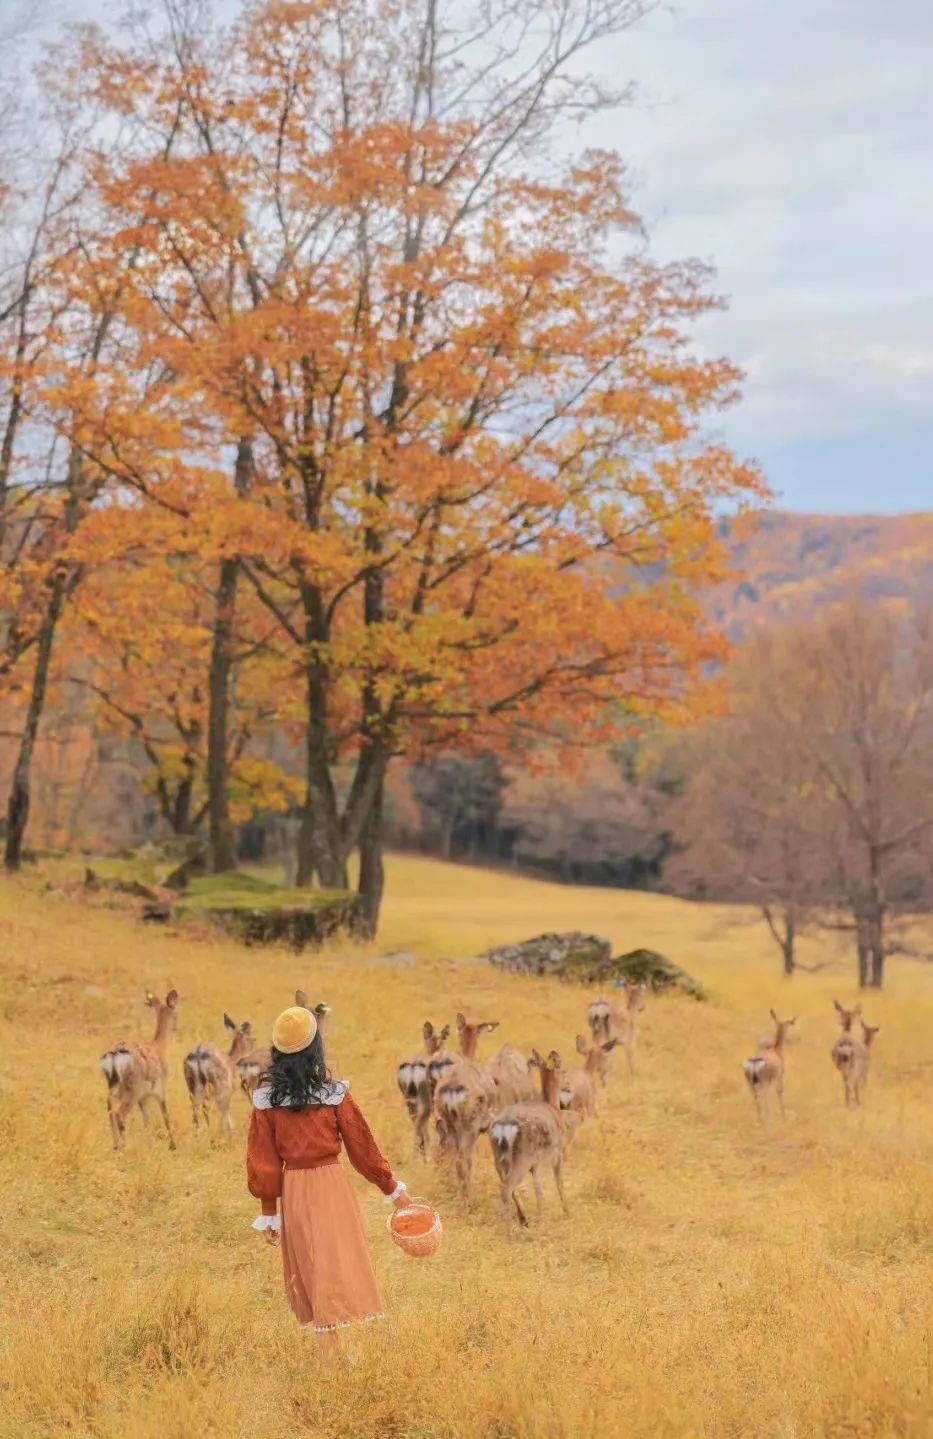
column 329, row 1278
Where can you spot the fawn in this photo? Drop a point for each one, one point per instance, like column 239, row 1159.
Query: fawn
column 529, row 1137
column 210, row 1074
column 608, row 1020
column 852, row 1056
column 465, row 1100
column 765, row 1070
column 417, row 1080
column 578, row 1086
column 137, row 1073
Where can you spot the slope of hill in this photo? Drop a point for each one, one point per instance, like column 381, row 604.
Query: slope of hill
column 791, row 563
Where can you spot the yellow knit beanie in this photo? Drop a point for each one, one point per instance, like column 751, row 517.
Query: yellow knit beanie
column 294, row 1030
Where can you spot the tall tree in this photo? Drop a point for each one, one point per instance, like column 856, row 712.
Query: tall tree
column 481, row 495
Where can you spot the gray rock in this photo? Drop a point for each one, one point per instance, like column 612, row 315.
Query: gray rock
column 555, row 954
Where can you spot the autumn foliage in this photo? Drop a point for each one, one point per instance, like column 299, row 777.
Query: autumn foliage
column 389, row 430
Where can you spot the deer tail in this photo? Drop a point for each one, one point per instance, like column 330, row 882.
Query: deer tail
column 197, row 1069
column 503, row 1135
column 115, row 1065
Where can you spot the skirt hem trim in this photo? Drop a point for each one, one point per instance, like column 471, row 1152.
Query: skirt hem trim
column 342, row 1324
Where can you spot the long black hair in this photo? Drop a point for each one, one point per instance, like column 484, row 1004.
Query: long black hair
column 297, row 1079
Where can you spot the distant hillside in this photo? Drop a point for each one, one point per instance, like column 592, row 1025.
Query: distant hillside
column 792, row 563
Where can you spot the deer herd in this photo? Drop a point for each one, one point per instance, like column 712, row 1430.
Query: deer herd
column 529, row 1108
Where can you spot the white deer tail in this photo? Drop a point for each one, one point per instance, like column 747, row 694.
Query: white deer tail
column 115, row 1065
column 503, row 1135
column 197, row 1069
column 753, row 1068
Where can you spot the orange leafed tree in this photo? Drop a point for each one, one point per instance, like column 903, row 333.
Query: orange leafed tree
column 481, row 499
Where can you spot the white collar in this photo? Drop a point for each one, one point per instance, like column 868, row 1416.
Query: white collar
column 332, row 1093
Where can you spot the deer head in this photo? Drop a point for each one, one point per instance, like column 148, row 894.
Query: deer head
column 868, row 1033
column 470, row 1033
column 781, row 1028
column 434, row 1040
column 166, row 1012
column 846, row 1016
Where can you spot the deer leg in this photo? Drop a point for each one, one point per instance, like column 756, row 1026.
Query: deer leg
column 504, row 1198
column 780, row 1095
column 116, row 1126
column 559, row 1181
column 631, row 1059
column 539, row 1195
column 166, row 1121
column 145, row 1114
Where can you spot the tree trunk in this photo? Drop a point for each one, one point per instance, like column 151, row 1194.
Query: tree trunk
column 17, row 815
column 222, row 837
column 372, row 871
column 788, row 948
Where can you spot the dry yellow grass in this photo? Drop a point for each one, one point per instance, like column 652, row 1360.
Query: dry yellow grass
column 712, row 1279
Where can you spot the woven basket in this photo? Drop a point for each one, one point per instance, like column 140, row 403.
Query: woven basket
column 417, row 1245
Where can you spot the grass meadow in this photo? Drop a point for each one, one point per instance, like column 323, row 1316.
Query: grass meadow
column 713, row 1279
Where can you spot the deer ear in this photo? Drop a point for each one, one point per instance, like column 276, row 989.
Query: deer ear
column 609, row 1045
column 582, row 1046
column 246, row 1027
column 461, row 1022
column 150, row 998
column 171, row 999
column 536, row 1059
column 427, row 1030
column 301, row 999
column 553, row 1060
column 229, row 1023
column 445, row 1032
column 774, row 1016
column 838, row 1007
column 487, row 1025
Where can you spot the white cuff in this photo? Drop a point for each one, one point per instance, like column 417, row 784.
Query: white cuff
column 397, row 1192
column 267, row 1221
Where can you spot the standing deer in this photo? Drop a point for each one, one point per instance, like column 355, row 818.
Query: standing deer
column 210, row 1074
column 852, row 1056
column 417, row 1079
column 253, row 1066
column 765, row 1070
column 842, row 1053
column 578, row 1086
column 608, row 1020
column 527, row 1138
column 137, row 1073
column 465, row 1101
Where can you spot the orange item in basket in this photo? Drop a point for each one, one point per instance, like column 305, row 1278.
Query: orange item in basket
column 416, row 1228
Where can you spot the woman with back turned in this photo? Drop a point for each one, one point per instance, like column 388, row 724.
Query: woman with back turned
column 300, row 1120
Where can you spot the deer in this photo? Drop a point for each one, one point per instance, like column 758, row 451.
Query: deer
column 210, row 1074
column 252, row 1067
column 136, row 1074
column 529, row 1137
column 417, row 1079
column 607, row 1021
column 465, row 1100
column 765, row 1070
column 578, row 1086
column 852, row 1056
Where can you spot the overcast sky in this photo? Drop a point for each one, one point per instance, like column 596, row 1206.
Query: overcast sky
column 790, row 142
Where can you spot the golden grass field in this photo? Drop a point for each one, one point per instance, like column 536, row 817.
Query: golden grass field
column 712, row 1278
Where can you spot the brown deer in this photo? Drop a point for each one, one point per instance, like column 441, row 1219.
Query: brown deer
column 527, row 1138
column 765, row 1070
column 252, row 1068
column 842, row 1053
column 608, row 1020
column 852, row 1057
column 210, row 1074
column 578, row 1086
column 465, row 1100
column 417, row 1080
column 137, row 1073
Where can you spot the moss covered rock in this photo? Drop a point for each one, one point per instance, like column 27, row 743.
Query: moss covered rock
column 554, row 954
